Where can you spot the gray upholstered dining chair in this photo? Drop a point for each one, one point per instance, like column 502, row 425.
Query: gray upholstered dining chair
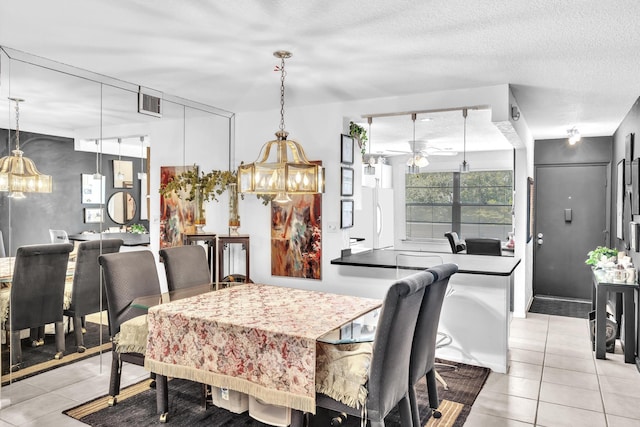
column 87, row 295
column 127, row 276
column 185, row 266
column 425, row 340
column 457, row 245
column 37, row 295
column 483, row 246
column 388, row 384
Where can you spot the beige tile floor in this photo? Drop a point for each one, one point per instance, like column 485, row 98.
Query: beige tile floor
column 555, row 380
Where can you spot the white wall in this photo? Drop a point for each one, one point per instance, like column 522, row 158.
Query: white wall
column 318, row 129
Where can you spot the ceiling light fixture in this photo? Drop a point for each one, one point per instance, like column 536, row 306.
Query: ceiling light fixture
column 97, row 175
column 416, row 161
column 142, row 174
column 370, row 168
column 120, row 173
column 464, row 166
column 574, row 136
column 283, row 175
column 19, row 174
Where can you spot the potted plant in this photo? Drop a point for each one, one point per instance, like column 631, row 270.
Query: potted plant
column 601, row 255
column 359, row 133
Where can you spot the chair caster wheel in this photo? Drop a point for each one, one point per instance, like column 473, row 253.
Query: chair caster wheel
column 59, row 355
column 81, row 349
column 163, row 418
column 37, row 343
column 152, row 384
column 112, row 401
column 437, row 414
column 15, row 368
column 84, row 330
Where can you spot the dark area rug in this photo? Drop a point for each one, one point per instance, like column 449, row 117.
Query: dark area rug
column 40, row 359
column 137, row 405
column 561, row 307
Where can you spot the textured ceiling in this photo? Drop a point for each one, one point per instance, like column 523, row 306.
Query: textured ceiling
column 570, row 63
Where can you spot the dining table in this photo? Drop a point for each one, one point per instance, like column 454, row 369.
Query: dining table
column 256, row 339
column 6, row 276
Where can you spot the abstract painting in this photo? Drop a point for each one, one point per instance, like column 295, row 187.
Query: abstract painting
column 176, row 213
column 296, row 237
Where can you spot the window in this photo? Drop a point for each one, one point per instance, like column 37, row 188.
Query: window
column 475, row 204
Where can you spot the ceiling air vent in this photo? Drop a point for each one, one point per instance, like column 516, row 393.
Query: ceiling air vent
column 149, row 104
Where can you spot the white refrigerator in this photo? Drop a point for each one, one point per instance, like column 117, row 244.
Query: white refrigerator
column 374, row 222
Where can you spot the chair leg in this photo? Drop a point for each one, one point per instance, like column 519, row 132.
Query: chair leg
column 59, row 339
column 36, row 336
column 442, row 381
column 77, row 330
column 114, row 382
column 415, row 412
column 84, row 325
column 162, row 397
column 432, row 390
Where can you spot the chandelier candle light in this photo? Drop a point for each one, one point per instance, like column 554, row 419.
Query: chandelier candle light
column 19, row 174
column 290, row 172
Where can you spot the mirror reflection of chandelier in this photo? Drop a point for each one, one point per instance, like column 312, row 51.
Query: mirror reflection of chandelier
column 288, row 171
column 18, row 174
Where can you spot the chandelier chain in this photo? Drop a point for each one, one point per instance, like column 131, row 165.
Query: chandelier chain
column 17, row 124
column 282, row 76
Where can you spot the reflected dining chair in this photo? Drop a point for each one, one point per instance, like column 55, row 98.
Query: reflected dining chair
column 185, row 266
column 37, row 296
column 87, row 295
column 425, row 340
column 58, row 236
column 484, row 246
column 457, row 245
column 127, row 276
column 388, row 384
column 3, row 253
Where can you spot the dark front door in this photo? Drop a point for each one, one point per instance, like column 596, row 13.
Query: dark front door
column 570, row 220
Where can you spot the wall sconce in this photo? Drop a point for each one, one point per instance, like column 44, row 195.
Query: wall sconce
column 574, row 136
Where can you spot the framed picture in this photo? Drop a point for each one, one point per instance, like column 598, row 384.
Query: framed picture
column 628, row 156
column 346, row 181
column 346, row 154
column 346, row 213
column 620, row 187
column 92, row 189
column 635, row 187
column 93, row 215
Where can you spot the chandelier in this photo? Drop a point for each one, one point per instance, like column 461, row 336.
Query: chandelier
column 18, row 174
column 282, row 167
column 417, row 160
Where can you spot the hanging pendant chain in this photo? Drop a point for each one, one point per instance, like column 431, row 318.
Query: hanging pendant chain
column 17, row 125
column 283, row 74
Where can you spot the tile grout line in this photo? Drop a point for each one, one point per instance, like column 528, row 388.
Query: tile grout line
column 544, row 357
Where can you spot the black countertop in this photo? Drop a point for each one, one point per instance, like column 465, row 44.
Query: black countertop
column 128, row 239
column 470, row 264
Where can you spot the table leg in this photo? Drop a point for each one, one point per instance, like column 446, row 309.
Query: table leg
column 629, row 332
column 297, row 418
column 162, row 397
column 601, row 316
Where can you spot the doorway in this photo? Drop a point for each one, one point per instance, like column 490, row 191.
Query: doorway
column 570, row 220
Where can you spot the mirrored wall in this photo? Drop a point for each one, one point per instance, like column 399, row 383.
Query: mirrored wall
column 104, row 156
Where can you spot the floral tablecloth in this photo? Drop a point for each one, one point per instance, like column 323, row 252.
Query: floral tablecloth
column 256, row 339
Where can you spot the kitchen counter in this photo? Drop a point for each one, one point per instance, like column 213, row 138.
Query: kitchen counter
column 477, row 310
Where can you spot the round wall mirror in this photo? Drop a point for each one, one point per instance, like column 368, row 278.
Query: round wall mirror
column 121, row 207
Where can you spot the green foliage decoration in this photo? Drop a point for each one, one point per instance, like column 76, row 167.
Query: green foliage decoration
column 359, row 134
column 595, row 256
column 213, row 184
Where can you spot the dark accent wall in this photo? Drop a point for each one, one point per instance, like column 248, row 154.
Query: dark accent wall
column 27, row 221
column 558, row 151
column 630, row 124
